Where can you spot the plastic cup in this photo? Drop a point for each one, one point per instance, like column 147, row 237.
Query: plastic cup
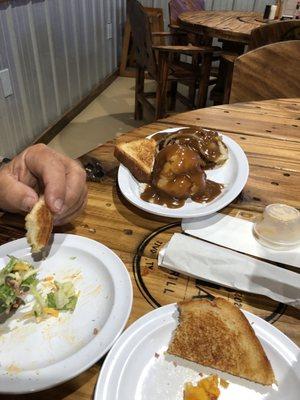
column 279, row 227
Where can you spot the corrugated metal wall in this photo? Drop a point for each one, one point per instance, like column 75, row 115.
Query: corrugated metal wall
column 247, row 5
column 56, row 52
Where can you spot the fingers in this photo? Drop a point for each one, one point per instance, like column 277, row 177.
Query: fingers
column 76, row 192
column 69, row 214
column 15, row 196
column 48, row 166
column 62, row 180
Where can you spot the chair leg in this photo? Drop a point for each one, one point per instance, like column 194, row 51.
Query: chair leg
column 173, row 95
column 192, row 94
column 228, row 82
column 204, row 80
column 162, row 86
column 139, row 90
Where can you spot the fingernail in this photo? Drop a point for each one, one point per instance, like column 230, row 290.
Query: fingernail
column 58, row 204
column 28, row 203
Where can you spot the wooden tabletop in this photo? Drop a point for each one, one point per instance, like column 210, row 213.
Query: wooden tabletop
column 269, row 133
column 228, row 25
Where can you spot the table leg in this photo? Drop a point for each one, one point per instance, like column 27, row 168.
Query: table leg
column 204, row 80
column 205, row 73
column 217, row 94
column 162, row 85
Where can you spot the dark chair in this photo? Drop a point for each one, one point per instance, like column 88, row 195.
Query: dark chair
column 270, row 33
column 268, row 72
column 161, row 66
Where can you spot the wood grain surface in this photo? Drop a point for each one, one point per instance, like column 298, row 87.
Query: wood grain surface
column 269, row 133
column 228, row 25
column 268, row 72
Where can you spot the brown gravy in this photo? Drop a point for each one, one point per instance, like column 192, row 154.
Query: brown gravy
column 156, row 196
column 204, row 141
column 177, row 175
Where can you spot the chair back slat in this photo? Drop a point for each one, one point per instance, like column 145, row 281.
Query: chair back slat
column 177, row 7
column 275, row 32
column 267, row 72
column 142, row 37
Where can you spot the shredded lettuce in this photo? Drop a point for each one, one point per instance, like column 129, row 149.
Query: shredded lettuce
column 15, row 279
column 64, row 298
column 19, row 277
column 7, row 298
column 29, row 282
column 39, row 305
column 7, row 269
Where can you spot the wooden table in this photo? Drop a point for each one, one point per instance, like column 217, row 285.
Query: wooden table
column 269, row 132
column 233, row 26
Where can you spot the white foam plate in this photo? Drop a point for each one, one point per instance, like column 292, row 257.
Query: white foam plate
column 36, row 356
column 233, row 174
column 137, row 369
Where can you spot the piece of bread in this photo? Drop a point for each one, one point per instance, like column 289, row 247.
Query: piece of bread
column 138, row 156
column 216, row 334
column 39, row 224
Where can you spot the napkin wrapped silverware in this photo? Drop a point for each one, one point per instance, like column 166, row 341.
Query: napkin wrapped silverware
column 212, row 263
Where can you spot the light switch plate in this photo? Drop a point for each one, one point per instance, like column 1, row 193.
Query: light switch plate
column 6, row 83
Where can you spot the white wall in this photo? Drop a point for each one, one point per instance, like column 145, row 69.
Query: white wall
column 56, row 52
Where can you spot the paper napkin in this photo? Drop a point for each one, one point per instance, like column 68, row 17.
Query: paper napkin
column 215, row 264
column 236, row 234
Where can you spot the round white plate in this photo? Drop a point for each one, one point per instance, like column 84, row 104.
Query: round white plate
column 36, row 356
column 137, row 369
column 233, row 174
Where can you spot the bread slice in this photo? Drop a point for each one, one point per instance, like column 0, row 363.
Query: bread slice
column 216, row 334
column 138, row 156
column 39, row 224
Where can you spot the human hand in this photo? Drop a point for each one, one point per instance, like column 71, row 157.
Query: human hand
column 40, row 169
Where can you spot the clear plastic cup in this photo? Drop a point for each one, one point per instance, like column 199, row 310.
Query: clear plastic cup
column 279, row 227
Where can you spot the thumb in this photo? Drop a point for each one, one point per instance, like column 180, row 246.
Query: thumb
column 15, row 196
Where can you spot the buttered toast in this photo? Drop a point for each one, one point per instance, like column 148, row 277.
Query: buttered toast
column 39, row 224
column 216, row 334
column 138, row 156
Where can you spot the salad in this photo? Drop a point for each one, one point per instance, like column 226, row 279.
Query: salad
column 19, row 278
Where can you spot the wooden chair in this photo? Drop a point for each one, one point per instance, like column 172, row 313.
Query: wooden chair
column 127, row 65
column 275, row 32
column 268, row 72
column 266, row 34
column 159, row 62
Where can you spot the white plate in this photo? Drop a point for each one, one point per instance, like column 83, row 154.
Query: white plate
column 233, row 174
column 137, row 369
column 36, row 356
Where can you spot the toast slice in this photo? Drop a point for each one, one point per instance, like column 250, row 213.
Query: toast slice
column 39, row 224
column 216, row 334
column 138, row 156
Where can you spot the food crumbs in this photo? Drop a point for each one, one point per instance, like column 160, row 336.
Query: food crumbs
column 156, row 355
column 224, row 383
column 13, row 369
column 200, row 373
column 48, row 278
column 95, row 331
column 73, row 258
column 175, row 363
